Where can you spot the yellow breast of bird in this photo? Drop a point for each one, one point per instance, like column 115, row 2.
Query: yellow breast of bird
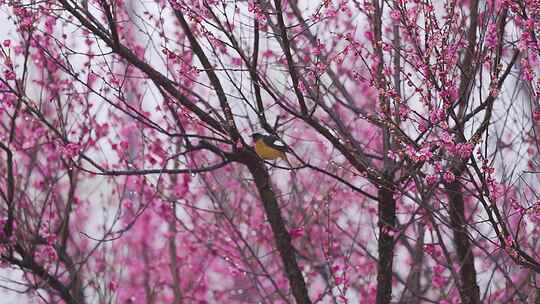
column 267, row 152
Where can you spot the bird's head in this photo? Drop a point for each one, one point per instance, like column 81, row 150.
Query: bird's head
column 256, row 136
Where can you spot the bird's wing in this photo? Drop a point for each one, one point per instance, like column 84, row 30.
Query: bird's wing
column 275, row 143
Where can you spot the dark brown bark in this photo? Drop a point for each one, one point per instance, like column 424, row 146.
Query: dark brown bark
column 281, row 235
column 468, row 288
column 10, row 189
column 386, row 202
column 387, row 222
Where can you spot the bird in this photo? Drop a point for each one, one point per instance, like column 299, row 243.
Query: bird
column 270, row 147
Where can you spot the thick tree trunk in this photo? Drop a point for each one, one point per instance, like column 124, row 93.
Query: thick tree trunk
column 387, row 222
column 468, row 288
column 281, row 235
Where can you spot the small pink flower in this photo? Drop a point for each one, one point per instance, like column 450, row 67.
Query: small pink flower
column 449, row 177
column 124, row 145
column 128, row 204
column 72, row 149
column 431, row 179
column 422, row 127
column 113, row 285
column 296, row 232
column 237, row 61
column 10, row 75
column 395, row 15
column 51, row 238
column 432, row 250
column 302, row 87
column 438, row 269
column 536, row 116
column 369, row 35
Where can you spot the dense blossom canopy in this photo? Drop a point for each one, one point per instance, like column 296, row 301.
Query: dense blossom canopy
column 128, row 173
